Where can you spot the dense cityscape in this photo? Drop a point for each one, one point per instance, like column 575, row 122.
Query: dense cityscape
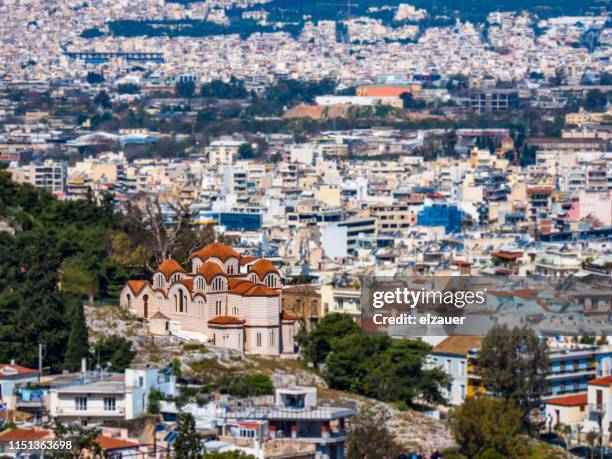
column 198, row 199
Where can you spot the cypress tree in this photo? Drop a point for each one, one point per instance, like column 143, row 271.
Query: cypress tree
column 78, row 340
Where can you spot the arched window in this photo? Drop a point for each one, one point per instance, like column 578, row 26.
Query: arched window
column 129, row 301
column 175, row 304
column 219, row 308
column 181, row 302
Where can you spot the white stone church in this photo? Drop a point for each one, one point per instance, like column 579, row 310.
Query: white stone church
column 227, row 300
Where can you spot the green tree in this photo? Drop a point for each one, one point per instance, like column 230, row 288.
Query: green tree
column 187, row 444
column 94, row 78
column 513, row 365
column 155, row 397
column 114, row 353
column 128, row 88
column 185, row 88
column 246, row 151
column 595, row 101
column 261, row 384
column 369, row 436
column 103, row 100
column 317, row 344
column 488, row 427
column 77, row 279
column 228, row 455
column 84, row 440
column 78, row 340
column 176, row 365
column 383, row 368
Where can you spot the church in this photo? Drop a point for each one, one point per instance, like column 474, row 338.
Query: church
column 228, row 300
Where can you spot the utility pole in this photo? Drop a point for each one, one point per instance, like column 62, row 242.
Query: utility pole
column 40, row 362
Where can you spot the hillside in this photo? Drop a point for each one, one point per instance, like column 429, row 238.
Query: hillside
column 321, row 113
column 413, row 429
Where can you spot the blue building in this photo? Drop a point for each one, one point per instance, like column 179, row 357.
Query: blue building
column 570, row 369
column 232, row 221
column 441, row 215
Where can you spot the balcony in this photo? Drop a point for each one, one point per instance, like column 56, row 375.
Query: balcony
column 100, row 412
column 597, row 408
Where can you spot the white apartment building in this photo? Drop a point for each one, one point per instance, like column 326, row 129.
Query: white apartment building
column 223, row 151
column 109, row 397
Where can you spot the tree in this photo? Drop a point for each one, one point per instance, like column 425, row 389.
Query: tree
column 114, row 353
column 175, row 365
column 317, row 344
column 228, row 455
column 513, row 365
column 77, row 279
column 78, row 340
column 146, row 224
column 94, row 78
column 484, row 426
column 84, row 441
column 187, row 443
column 261, row 384
column 383, row 368
column 246, row 151
column 595, row 101
column 409, row 102
column 591, row 438
column 155, row 397
column 128, row 88
column 369, row 436
column 185, row 88
column 103, row 100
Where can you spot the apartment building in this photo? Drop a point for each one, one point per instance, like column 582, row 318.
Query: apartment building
column 98, row 398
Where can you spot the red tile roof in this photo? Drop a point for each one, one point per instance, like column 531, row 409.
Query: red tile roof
column 507, row 255
column 24, row 434
column 569, row 400
column 12, row 371
column 168, row 267
column 457, row 345
column 240, row 286
column 286, row 315
column 115, row 443
column 462, row 263
column 604, row 381
column 525, row 293
column 210, row 269
column 383, row 91
column 187, row 283
column 263, row 267
column 226, row 320
column 136, row 286
column 247, row 260
column 260, row 290
column 216, row 250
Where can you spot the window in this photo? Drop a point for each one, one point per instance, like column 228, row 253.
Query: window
column 219, row 308
column 258, row 339
column 110, row 403
column 80, row 403
column 462, row 390
column 140, row 381
column 462, row 368
column 272, row 338
column 129, row 301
